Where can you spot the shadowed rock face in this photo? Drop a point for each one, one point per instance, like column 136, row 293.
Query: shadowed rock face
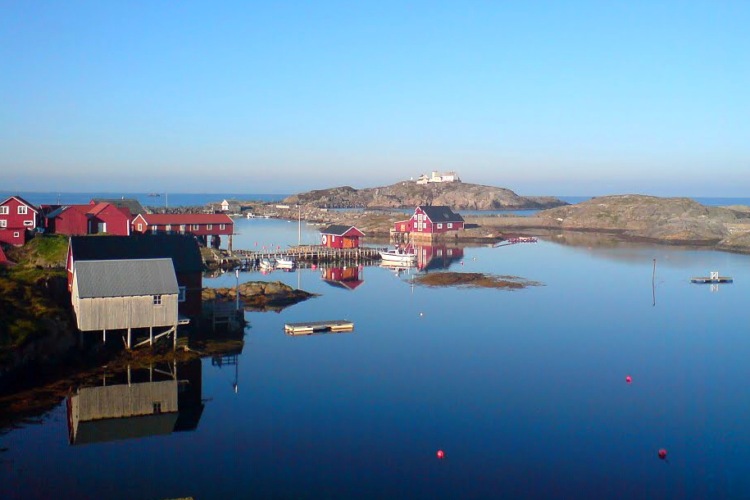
column 473, row 280
column 408, row 194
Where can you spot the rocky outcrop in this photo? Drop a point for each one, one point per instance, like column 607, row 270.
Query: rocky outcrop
column 408, row 194
column 260, row 295
column 666, row 220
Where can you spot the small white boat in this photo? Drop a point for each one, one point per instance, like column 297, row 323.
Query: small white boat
column 267, row 264
column 399, row 256
column 282, row 263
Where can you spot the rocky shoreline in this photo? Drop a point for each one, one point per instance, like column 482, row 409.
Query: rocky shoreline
column 673, row 221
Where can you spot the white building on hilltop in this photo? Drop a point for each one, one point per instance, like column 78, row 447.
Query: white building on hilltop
column 438, row 177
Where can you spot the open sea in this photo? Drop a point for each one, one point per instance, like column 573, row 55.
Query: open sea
column 523, row 392
column 200, row 199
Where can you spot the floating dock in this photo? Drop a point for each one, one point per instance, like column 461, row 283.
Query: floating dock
column 714, row 278
column 309, row 328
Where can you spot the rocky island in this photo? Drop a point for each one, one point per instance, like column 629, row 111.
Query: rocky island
column 408, row 194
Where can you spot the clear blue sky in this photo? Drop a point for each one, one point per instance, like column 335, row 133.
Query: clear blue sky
column 546, row 98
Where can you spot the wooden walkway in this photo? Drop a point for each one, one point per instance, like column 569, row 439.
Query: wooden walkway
column 307, row 253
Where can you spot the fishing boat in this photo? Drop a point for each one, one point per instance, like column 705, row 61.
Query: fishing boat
column 267, row 265
column 285, row 263
column 400, row 256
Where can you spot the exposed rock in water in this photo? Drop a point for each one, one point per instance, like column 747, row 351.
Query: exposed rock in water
column 260, row 295
column 408, row 194
column 474, row 280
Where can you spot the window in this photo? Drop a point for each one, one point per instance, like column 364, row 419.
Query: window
column 140, row 227
column 16, row 234
column 440, row 252
column 195, row 227
column 157, row 407
column 415, row 225
column 181, row 294
column 23, row 209
column 222, row 226
column 155, row 229
column 450, row 225
column 28, row 223
column 440, row 225
column 168, row 227
column 3, row 223
column 4, row 211
column 209, row 226
column 182, row 228
column 157, row 300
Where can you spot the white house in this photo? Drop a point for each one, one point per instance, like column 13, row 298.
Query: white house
column 438, row 177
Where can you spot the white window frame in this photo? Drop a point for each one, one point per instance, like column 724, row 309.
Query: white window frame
column 3, row 223
column 28, row 223
column 440, row 225
column 209, row 227
column 16, row 234
column 23, row 210
column 5, row 210
column 450, row 225
column 157, row 300
column 155, row 229
column 222, row 226
column 181, row 294
column 140, row 226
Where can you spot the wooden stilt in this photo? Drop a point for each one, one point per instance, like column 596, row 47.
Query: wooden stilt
column 151, row 335
column 129, row 337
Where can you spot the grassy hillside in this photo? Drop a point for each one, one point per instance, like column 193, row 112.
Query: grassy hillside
column 25, row 301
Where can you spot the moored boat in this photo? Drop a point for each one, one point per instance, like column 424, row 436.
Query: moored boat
column 399, row 255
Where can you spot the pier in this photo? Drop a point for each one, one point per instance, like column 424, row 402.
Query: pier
column 304, row 253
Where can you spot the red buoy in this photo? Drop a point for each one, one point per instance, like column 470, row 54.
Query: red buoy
column 628, row 379
column 440, row 454
column 662, row 453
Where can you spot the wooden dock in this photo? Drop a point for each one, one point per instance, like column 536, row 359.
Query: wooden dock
column 712, row 279
column 309, row 328
column 306, row 253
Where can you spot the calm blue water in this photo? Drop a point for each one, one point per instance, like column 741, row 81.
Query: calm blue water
column 524, row 391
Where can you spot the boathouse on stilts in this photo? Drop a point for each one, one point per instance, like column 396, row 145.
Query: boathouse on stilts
column 137, row 296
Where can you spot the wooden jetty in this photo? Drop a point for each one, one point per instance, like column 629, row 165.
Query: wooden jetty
column 713, row 278
column 309, row 328
column 305, row 253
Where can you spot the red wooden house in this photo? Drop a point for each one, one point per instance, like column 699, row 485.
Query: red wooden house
column 70, row 220
column 3, row 259
column 107, row 218
column 431, row 220
column 18, row 219
column 204, row 226
column 339, row 236
column 101, row 218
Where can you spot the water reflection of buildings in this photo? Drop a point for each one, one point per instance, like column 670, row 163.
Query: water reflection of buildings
column 342, row 277
column 137, row 403
column 437, row 256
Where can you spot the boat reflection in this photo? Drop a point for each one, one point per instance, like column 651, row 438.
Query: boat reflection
column 137, row 403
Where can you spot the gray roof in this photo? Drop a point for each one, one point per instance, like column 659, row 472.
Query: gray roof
column 125, row 278
column 441, row 214
column 131, row 204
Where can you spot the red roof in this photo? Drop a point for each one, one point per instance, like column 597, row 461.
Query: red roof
column 174, row 219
